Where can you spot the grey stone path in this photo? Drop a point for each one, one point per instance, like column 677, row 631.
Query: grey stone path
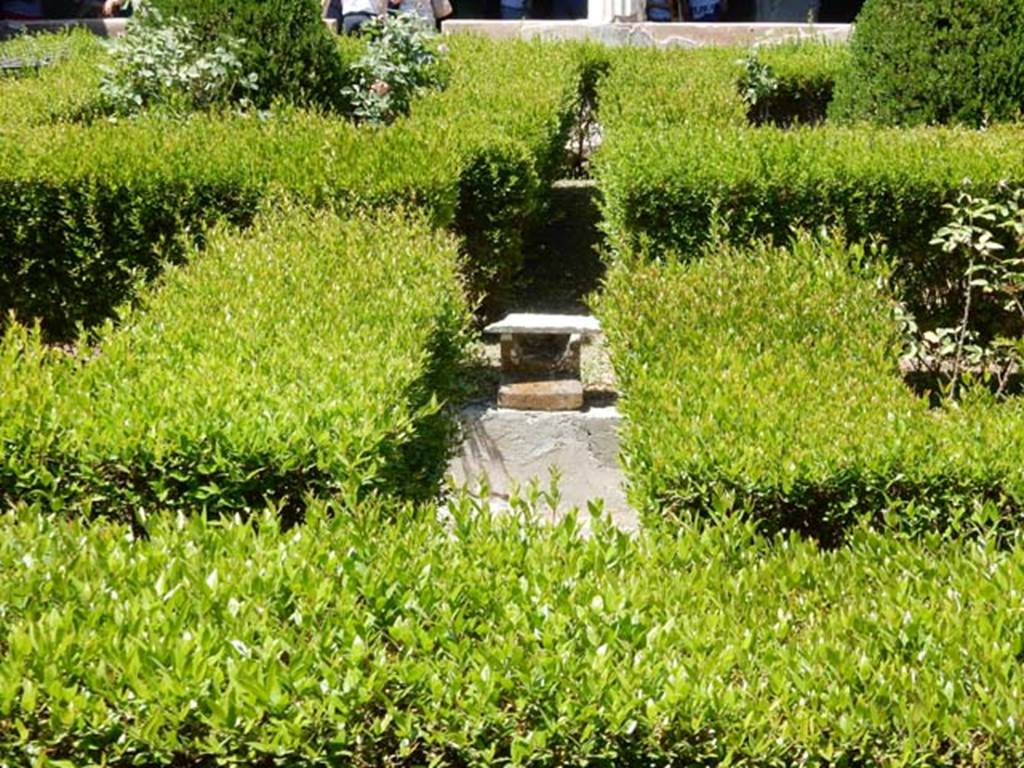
column 513, row 448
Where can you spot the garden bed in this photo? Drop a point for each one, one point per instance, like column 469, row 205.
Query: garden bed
column 89, row 209
column 491, row 641
column 766, row 381
column 276, row 308
column 681, row 164
column 311, row 355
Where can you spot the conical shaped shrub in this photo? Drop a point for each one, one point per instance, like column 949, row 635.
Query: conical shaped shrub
column 920, row 62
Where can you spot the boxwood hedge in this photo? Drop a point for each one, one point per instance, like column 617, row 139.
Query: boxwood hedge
column 767, row 381
column 680, row 160
column 88, row 209
column 499, row 641
column 311, row 355
column 63, row 87
column 919, row 62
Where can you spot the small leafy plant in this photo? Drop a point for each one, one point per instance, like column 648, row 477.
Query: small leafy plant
column 758, row 84
column 159, row 63
column 401, row 61
column 986, row 342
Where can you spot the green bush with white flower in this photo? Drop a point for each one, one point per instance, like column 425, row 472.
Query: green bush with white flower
column 161, row 64
column 166, row 64
column 402, row 60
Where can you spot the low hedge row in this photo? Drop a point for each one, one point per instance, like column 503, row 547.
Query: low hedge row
column 80, row 229
column 309, row 355
column 63, row 87
column 86, row 210
column 497, row 641
column 801, row 77
column 680, row 160
column 766, row 381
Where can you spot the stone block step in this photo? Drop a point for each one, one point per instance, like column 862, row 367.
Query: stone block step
column 552, row 395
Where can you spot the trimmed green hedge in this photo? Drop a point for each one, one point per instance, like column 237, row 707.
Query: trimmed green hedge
column 496, row 641
column 926, row 62
column 63, row 89
column 310, row 355
column 680, row 160
column 774, row 389
column 767, row 382
column 79, row 229
column 89, row 210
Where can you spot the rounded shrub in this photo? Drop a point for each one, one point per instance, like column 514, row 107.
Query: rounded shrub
column 934, row 61
column 285, row 42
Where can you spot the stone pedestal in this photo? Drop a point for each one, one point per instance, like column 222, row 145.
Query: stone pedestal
column 540, row 360
column 544, row 355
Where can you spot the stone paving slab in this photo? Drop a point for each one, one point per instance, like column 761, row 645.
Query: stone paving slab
column 513, row 448
column 553, row 395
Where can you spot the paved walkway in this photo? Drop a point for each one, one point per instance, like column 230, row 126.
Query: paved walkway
column 513, row 448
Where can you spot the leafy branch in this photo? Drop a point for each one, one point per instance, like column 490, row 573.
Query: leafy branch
column 989, row 238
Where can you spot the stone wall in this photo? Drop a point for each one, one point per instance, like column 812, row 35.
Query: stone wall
column 646, row 33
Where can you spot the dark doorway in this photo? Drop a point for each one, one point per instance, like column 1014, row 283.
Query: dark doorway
column 839, row 11
column 831, row 11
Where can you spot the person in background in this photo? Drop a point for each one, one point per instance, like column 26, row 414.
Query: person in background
column 660, row 10
column 21, row 10
column 706, row 10
column 689, row 10
column 351, row 15
column 512, row 10
column 431, row 11
column 569, row 9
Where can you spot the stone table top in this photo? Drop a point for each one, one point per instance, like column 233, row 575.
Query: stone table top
column 525, row 323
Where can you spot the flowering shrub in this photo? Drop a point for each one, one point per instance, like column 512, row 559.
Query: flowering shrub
column 401, row 61
column 159, row 63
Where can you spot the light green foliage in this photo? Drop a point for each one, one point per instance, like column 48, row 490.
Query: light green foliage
column 400, row 61
column 680, row 159
column 311, row 354
column 806, row 64
column 501, row 641
column 79, row 228
column 63, row 89
column 159, row 63
column 671, row 87
column 766, row 382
